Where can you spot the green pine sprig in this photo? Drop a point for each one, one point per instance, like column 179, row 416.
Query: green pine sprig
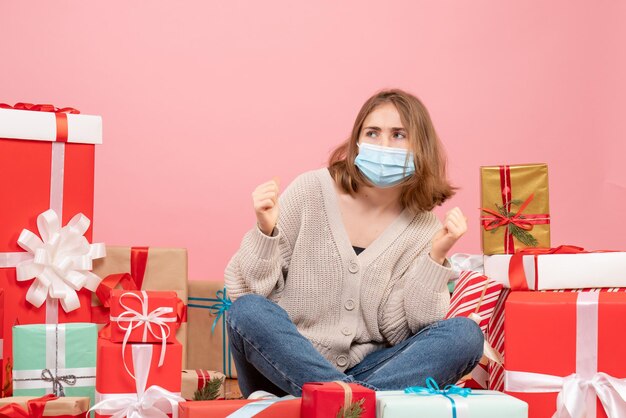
column 520, row 234
column 355, row 410
column 210, row 391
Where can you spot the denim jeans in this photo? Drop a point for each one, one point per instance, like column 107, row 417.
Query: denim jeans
column 270, row 354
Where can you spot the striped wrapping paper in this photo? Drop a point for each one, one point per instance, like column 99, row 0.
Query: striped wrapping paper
column 475, row 294
column 495, row 332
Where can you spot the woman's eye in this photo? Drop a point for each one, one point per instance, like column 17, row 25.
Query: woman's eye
column 371, row 134
column 399, row 135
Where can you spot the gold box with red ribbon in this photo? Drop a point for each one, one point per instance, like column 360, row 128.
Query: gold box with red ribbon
column 47, row 167
column 145, row 316
column 194, row 380
column 565, row 353
column 515, row 208
column 142, row 268
column 45, row 406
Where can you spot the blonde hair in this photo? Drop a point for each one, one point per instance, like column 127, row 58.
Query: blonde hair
column 429, row 186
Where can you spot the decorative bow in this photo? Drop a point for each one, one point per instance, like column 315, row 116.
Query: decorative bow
column 40, row 108
column 146, row 319
column 154, row 402
column 57, row 387
column 220, row 307
column 60, row 260
column 432, row 389
column 516, row 219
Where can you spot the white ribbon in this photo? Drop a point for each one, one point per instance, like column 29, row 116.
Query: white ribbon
column 466, row 262
column 154, row 402
column 59, row 262
column 578, row 391
column 254, row 408
column 146, row 319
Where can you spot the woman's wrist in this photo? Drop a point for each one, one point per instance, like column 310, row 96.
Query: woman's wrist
column 437, row 258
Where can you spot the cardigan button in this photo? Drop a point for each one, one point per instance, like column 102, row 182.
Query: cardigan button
column 349, row 305
column 342, row 361
column 353, row 267
column 346, row 331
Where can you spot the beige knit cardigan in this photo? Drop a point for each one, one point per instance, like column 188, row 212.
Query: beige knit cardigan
column 347, row 305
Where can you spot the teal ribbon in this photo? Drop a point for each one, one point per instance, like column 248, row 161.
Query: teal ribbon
column 432, row 389
column 221, row 303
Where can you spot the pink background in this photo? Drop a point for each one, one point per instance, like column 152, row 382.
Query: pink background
column 203, row 100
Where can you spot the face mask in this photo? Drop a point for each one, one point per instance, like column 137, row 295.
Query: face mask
column 384, row 166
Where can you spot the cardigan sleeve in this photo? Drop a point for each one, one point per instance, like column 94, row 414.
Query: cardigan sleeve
column 419, row 298
column 261, row 263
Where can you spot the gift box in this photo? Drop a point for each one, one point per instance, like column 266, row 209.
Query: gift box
column 208, row 339
column 48, row 155
column 27, row 406
column 241, row 408
column 141, row 386
column 566, row 344
column 58, row 359
column 162, row 269
column 6, row 386
column 194, row 380
column 115, row 366
column 321, row 400
column 144, row 316
column 477, row 404
column 515, row 208
column 475, row 297
column 564, row 267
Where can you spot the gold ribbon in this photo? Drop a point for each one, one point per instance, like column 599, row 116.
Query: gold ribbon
column 347, row 399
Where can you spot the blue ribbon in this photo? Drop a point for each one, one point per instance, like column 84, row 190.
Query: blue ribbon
column 432, row 389
column 221, row 304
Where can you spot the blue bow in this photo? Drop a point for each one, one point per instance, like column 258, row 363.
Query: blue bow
column 432, row 389
column 220, row 307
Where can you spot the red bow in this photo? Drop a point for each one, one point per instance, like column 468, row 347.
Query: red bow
column 34, row 408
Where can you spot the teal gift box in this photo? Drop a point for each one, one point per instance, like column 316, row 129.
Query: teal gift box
column 58, row 359
column 478, row 404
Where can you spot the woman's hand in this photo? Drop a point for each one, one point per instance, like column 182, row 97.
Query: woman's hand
column 454, row 226
column 265, row 199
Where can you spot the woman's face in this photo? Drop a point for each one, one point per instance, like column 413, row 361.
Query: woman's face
column 383, row 127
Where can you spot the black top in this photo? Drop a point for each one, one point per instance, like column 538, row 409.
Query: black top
column 358, row 250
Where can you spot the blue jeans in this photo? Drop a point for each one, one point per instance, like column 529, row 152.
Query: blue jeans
column 270, row 354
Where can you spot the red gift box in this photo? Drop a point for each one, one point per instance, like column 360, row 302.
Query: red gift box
column 567, row 343
column 220, row 409
column 144, row 316
column 323, row 400
column 128, row 377
column 47, row 157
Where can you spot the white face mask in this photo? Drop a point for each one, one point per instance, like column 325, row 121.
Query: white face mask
column 384, row 166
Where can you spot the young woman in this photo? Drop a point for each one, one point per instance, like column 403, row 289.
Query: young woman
column 345, row 276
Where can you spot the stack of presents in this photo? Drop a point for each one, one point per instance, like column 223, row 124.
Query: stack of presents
column 110, row 331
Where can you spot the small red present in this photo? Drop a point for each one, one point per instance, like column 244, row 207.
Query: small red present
column 270, row 408
column 324, row 400
column 144, row 316
column 144, row 387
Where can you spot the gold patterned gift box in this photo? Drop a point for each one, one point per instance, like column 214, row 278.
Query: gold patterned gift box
column 515, row 208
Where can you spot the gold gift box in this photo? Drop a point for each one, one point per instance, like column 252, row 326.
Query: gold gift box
column 66, row 406
column 522, row 181
column 207, row 350
column 166, row 269
column 191, row 380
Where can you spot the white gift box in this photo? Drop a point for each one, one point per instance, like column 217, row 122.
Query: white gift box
column 563, row 271
column 42, row 126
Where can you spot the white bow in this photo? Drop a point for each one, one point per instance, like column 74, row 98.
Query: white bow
column 154, row 402
column 574, row 391
column 146, row 319
column 60, row 261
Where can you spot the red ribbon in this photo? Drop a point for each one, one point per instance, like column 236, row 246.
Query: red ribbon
column 34, row 408
column 517, row 275
column 138, row 264
column 523, row 221
column 203, row 378
column 59, row 113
